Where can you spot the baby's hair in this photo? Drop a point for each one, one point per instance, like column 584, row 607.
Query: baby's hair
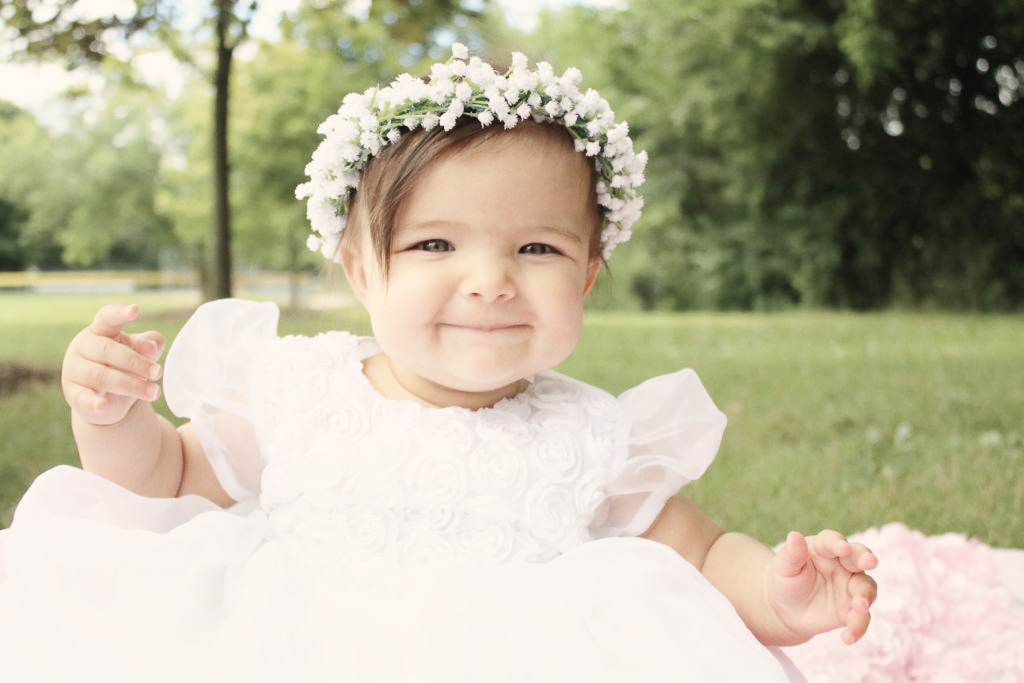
column 390, row 176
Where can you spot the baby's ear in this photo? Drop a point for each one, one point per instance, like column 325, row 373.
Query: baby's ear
column 593, row 269
column 353, row 262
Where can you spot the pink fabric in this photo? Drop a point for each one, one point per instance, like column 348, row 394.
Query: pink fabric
column 945, row 612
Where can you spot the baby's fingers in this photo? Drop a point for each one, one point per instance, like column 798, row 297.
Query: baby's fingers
column 863, row 591
column 856, row 626
column 854, row 557
column 149, row 345
column 110, row 319
column 108, row 360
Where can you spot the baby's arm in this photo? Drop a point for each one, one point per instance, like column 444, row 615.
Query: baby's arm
column 811, row 585
column 108, row 378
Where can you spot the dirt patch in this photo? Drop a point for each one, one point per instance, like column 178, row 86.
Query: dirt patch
column 14, row 378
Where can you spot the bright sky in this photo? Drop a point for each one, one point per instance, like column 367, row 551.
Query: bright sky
column 31, row 86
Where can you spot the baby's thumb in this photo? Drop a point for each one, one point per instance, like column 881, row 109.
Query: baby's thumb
column 791, row 558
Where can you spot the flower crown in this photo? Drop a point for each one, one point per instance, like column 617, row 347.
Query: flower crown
column 368, row 122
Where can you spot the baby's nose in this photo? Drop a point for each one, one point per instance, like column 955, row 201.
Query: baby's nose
column 489, row 280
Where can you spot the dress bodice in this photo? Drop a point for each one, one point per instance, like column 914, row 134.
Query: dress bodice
column 347, row 475
column 351, row 475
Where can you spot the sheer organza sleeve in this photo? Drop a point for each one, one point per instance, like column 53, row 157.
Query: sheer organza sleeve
column 206, row 380
column 669, row 433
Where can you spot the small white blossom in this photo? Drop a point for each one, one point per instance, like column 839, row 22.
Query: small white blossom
column 460, row 51
column 463, row 91
column 447, row 120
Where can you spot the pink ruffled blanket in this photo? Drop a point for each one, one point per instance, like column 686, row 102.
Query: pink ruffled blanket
column 949, row 608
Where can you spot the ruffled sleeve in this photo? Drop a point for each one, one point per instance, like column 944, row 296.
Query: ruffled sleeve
column 669, row 433
column 206, row 379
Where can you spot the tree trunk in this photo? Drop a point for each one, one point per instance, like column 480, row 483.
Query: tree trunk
column 221, row 168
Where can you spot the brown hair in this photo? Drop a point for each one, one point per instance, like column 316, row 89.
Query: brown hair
column 391, row 175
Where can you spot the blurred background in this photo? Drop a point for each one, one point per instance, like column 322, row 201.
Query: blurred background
column 833, row 233
column 859, row 154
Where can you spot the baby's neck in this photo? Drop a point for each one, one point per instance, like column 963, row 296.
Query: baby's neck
column 393, row 383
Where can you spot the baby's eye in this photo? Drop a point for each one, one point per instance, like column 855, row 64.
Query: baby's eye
column 435, row 246
column 538, row 248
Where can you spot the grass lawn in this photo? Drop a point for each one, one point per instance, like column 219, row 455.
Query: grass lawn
column 836, row 419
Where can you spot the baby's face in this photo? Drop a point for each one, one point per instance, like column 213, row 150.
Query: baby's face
column 490, row 265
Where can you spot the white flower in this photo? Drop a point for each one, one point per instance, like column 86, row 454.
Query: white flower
column 437, row 480
column 497, row 466
column 463, row 91
column 505, row 425
column 558, row 455
column 448, row 120
column 367, row 122
column 550, row 510
column 372, row 530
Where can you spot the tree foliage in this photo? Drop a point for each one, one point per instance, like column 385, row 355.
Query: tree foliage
column 26, row 151
column 88, row 192
column 390, row 33
column 854, row 153
column 851, row 153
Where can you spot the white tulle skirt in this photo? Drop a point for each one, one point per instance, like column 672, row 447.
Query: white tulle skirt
column 97, row 584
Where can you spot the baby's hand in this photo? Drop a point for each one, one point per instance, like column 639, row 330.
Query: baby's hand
column 818, row 583
column 106, row 371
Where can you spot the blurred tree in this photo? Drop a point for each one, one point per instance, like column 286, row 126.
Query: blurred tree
column 71, row 29
column 26, row 155
column 848, row 152
column 75, row 31
column 95, row 197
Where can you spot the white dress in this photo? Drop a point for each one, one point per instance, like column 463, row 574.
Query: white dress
column 376, row 540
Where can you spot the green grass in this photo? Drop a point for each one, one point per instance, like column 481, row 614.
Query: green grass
column 836, row 420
